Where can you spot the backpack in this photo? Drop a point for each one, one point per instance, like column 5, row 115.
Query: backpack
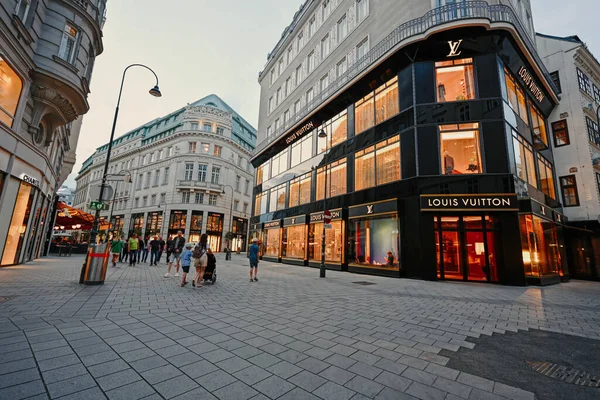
column 198, row 252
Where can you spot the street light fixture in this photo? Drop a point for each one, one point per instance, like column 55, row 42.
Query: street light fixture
column 322, row 270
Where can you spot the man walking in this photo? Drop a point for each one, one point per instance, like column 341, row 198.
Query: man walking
column 154, row 250
column 176, row 249
column 133, row 249
column 161, row 248
column 253, row 258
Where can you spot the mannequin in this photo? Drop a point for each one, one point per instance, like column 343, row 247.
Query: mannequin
column 448, row 163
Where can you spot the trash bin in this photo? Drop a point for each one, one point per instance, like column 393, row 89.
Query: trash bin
column 97, row 262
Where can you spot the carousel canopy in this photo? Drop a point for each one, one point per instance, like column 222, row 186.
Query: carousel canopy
column 69, row 218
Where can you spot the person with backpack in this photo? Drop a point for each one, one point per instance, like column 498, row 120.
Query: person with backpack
column 186, row 261
column 200, row 260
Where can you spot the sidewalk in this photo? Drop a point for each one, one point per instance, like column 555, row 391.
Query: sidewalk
column 291, row 335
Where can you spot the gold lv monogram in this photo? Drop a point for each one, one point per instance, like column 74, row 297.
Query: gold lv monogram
column 454, row 46
column 370, row 209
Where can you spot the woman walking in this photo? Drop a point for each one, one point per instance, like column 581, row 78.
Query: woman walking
column 116, row 246
column 200, row 260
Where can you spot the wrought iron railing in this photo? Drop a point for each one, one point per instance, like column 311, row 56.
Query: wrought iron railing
column 497, row 13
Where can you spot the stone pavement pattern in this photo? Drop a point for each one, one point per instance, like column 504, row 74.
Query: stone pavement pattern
column 289, row 336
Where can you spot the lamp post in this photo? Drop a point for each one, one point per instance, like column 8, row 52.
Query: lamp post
column 162, row 205
column 322, row 270
column 112, row 206
column 155, row 91
column 230, row 209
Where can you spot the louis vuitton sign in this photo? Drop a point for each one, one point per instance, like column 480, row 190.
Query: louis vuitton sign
column 299, row 133
column 534, row 89
column 466, row 202
column 318, row 217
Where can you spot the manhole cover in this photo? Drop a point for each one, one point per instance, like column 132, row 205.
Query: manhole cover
column 565, row 374
column 4, row 298
column 364, row 283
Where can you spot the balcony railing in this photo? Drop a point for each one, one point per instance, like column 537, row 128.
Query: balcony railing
column 97, row 13
column 497, row 13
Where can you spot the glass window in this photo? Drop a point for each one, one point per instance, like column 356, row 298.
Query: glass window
column 215, row 176
column 277, row 198
column 220, row 130
column 386, row 101
column 361, row 9
column 596, row 93
column 191, row 147
column 324, row 82
column 325, row 47
column 18, row 225
column 539, row 241
column 460, row 149
column 293, row 242
column 279, row 163
column 538, row 124
column 238, row 179
column 10, row 90
column 336, row 179
column 546, row 176
column 298, row 74
column 364, row 111
column 185, row 198
column 300, row 190
column 556, row 80
column 455, row 80
column 593, row 132
column 156, row 177
column 263, row 173
column 202, row 172
column 387, row 160
column 199, row 198
column 342, row 28
column 568, row 187
column 334, row 242
column 560, row 132
column 194, row 126
column 364, row 168
column 218, row 150
column 311, row 61
column 524, row 160
column 260, row 203
column 207, row 127
column 516, row 97
column 337, row 131
column 273, row 242
column 288, row 86
column 374, row 242
column 67, row 44
column 341, row 67
column 189, row 172
column 302, row 149
column 166, row 176
column 22, row 9
column 309, row 95
column 363, row 47
column 584, row 82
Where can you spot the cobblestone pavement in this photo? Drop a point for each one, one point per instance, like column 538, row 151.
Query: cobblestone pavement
column 291, row 335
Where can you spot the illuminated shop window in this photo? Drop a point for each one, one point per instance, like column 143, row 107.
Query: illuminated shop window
column 300, row 190
column 540, row 246
column 10, row 90
column 546, row 176
column 538, row 124
column 375, row 242
column 334, row 242
column 516, row 97
column 460, row 149
column 273, row 242
column 293, row 243
column 277, row 198
column 455, row 80
column 337, row 132
column 336, row 179
column 524, row 160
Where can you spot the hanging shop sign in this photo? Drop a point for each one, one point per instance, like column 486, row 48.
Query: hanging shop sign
column 273, row 224
column 529, row 82
column 299, row 220
column 382, row 207
column 318, row 217
column 30, row 179
column 468, row 202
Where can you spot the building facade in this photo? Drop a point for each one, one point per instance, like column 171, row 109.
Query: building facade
column 189, row 170
column 421, row 126
column 66, row 195
column 576, row 145
column 47, row 53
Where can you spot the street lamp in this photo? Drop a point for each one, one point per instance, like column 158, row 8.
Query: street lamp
column 323, row 135
column 112, row 206
column 155, row 91
column 230, row 210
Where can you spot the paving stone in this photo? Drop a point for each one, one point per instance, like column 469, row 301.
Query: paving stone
column 18, row 355
column 58, row 362
column 298, row 394
column 236, row 391
column 365, row 370
column 445, row 372
column 148, row 363
column 390, row 366
column 511, row 392
column 391, row 394
column 365, row 357
column 187, row 358
column 135, row 355
column 246, row 352
column 16, row 378
column 252, row 375
column 160, row 374
column 313, row 365
column 199, row 368
column 23, row 391
column 364, row 386
column 337, row 375
column 70, row 385
column 89, row 394
column 264, row 360
column 453, row 387
column 63, row 373
column 215, row 380
column 196, row 394
column 292, row 356
column 318, row 353
column 129, row 346
column 425, row 392
column 171, row 351
column 99, row 358
column 218, row 355
column 19, row 365
column 52, row 353
column 419, row 376
column 307, row 381
column 475, row 381
column 175, row 386
column 133, row 391
column 108, row 368
column 284, row 369
column 340, row 361
column 394, row 381
column 478, row 394
column 332, row 391
column 273, row 387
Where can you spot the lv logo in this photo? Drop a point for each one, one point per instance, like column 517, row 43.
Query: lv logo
column 370, row 209
column 454, row 46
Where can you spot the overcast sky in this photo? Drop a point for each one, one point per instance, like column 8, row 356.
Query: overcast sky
column 199, row 47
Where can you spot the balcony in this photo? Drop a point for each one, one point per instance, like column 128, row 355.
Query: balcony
column 98, row 14
column 184, row 184
column 470, row 10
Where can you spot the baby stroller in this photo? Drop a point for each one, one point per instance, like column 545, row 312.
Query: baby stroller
column 210, row 273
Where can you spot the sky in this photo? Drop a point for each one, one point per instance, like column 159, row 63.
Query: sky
column 199, row 47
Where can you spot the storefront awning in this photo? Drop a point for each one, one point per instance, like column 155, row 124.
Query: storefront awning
column 72, row 218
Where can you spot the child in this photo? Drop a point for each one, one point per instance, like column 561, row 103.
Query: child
column 186, row 260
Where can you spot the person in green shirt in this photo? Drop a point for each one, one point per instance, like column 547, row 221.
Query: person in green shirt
column 133, row 249
column 116, row 246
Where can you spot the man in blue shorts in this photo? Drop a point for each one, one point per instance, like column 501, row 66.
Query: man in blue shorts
column 253, row 256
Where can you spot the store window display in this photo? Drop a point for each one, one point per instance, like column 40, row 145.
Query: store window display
column 294, row 242
column 455, row 80
column 10, row 88
column 273, row 243
column 460, row 149
column 334, row 241
column 539, row 241
column 18, row 225
column 375, row 242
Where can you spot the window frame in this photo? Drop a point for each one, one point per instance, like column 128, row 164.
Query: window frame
column 556, row 128
column 66, row 35
column 571, row 185
column 468, row 64
column 584, row 82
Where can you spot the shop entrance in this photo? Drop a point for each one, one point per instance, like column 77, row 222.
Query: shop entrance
column 466, row 248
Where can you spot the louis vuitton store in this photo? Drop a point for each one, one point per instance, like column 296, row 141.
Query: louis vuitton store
column 435, row 165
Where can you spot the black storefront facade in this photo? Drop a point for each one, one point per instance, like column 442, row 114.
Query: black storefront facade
column 453, row 178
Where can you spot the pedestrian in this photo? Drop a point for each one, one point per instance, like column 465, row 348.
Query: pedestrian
column 160, row 250
column 168, row 246
column 125, row 252
column 186, row 261
column 133, row 249
column 142, row 250
column 200, row 260
column 176, row 248
column 253, row 258
column 154, row 248
column 116, row 246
